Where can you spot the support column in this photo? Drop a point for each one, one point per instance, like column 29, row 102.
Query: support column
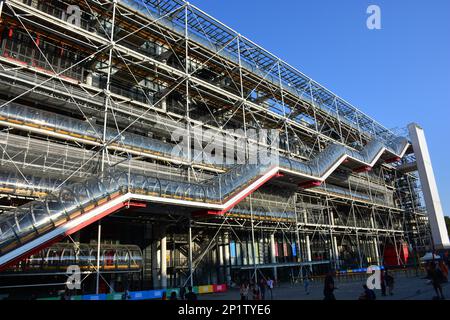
column 377, row 254
column 163, row 260
column 307, row 242
column 97, row 286
column 375, row 238
column 214, row 275
column 297, row 233
column 226, row 255
column 429, row 187
column 147, row 256
column 191, row 274
column 154, row 253
column 273, row 258
column 333, row 239
column 220, row 267
column 308, row 248
column 255, row 273
column 335, row 251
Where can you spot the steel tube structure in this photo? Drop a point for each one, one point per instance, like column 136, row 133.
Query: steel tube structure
column 113, row 111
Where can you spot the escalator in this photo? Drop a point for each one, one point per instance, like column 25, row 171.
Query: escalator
column 39, row 223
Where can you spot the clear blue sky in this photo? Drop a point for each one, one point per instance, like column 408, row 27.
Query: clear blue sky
column 397, row 75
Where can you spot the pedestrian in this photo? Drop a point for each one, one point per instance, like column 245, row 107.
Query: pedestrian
column 368, row 294
column 173, row 295
column 270, row 287
column 383, row 283
column 244, row 291
column 444, row 270
column 190, row 296
column 256, row 293
column 436, row 280
column 182, row 292
column 262, row 288
column 389, row 282
column 328, row 289
column 66, row 295
column 306, row 284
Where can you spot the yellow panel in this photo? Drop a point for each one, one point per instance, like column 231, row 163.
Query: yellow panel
column 203, row 289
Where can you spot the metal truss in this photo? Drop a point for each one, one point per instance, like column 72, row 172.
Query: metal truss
column 151, row 67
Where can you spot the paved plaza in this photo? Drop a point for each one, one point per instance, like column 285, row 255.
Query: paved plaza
column 406, row 288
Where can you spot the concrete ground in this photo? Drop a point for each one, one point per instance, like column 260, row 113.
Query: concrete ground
column 406, row 288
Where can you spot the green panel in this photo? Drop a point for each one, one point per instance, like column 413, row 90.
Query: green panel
column 114, row 296
column 169, row 291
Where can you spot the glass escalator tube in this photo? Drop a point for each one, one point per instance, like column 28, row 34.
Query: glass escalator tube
column 71, row 200
column 8, row 237
column 316, row 166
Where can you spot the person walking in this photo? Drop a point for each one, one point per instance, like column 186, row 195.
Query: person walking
column 383, row 283
column 190, row 296
column 244, row 291
column 126, row 295
column 306, row 284
column 328, row 289
column 256, row 292
column 368, row 294
column 173, row 295
column 436, row 280
column 262, row 288
column 444, row 270
column 66, row 295
column 182, row 292
column 270, row 287
column 389, row 282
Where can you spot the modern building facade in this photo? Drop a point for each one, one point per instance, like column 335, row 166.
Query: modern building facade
column 115, row 118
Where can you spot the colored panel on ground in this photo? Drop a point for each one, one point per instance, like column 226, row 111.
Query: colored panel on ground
column 145, row 295
column 203, row 289
column 219, row 287
column 95, row 297
column 169, row 292
column 114, row 296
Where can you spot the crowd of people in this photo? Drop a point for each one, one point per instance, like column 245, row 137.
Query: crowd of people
column 437, row 274
column 257, row 290
column 190, row 295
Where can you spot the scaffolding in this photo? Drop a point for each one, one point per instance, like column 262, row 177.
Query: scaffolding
column 92, row 92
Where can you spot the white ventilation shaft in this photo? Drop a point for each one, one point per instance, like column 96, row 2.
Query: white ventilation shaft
column 429, row 187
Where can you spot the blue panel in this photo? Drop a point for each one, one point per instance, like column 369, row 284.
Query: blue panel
column 294, row 250
column 95, row 296
column 145, row 295
column 233, row 249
